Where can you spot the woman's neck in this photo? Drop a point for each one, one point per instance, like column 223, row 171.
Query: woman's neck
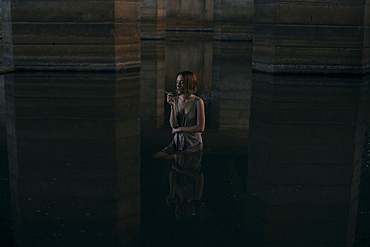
column 183, row 96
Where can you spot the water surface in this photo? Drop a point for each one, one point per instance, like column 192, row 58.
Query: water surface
column 282, row 155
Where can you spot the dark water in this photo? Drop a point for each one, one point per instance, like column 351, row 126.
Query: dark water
column 282, row 160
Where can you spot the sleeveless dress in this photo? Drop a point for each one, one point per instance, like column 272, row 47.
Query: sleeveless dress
column 185, row 141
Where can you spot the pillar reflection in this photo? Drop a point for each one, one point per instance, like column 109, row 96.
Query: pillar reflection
column 74, row 158
column 6, row 233
column 152, row 94
column 232, row 78
column 305, row 147
column 192, row 53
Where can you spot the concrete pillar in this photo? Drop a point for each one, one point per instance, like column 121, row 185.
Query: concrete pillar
column 71, row 35
column 74, row 158
column 153, row 19
column 1, row 32
column 233, row 20
column 311, row 37
column 305, row 148
column 188, row 15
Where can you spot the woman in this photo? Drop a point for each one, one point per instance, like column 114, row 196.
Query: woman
column 187, row 117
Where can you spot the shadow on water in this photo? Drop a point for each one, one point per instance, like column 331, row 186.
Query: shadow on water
column 281, row 163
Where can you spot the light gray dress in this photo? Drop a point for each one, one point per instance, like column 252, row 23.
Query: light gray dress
column 186, row 141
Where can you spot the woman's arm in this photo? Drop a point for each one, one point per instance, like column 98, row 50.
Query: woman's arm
column 172, row 103
column 201, row 121
column 173, row 119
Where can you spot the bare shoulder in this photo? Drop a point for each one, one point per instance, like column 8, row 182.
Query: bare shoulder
column 200, row 99
column 200, row 102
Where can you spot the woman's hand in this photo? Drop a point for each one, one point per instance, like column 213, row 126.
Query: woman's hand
column 175, row 130
column 171, row 99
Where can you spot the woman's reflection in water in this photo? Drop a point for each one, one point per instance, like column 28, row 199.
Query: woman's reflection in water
column 186, row 183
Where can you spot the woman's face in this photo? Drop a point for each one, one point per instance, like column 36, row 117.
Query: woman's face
column 180, row 84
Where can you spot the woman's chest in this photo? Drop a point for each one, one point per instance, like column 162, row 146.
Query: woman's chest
column 185, row 106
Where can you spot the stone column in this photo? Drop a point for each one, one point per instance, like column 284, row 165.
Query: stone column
column 233, row 20
column 71, row 35
column 199, row 60
column 311, row 37
column 189, row 15
column 74, row 157
column 1, row 32
column 305, row 148
column 153, row 19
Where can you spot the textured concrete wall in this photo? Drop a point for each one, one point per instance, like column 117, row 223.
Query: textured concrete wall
column 229, row 19
column 305, row 147
column 233, row 19
column 366, row 46
column 152, row 19
column 189, row 53
column 74, row 157
column 311, row 37
column 1, row 33
column 290, row 36
column 72, row 35
column 189, row 14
